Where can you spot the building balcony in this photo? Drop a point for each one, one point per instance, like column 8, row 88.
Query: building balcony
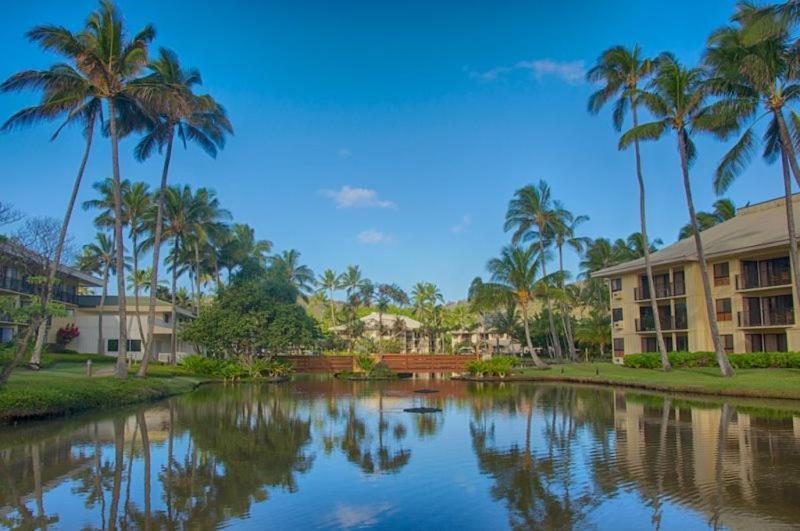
column 663, row 291
column 752, row 319
column 753, row 282
column 23, row 286
column 668, row 323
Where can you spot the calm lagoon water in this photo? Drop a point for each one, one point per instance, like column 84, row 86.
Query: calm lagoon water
column 321, row 453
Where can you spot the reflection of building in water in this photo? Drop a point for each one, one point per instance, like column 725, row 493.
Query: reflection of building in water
column 740, row 481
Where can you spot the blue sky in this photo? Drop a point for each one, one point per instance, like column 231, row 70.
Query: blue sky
column 391, row 134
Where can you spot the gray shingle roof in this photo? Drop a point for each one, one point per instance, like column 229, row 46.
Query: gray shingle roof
column 756, row 227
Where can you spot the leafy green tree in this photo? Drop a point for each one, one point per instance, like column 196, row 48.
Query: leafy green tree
column 255, row 316
column 620, row 71
column 533, row 215
column 595, row 330
column 240, row 247
column 676, row 97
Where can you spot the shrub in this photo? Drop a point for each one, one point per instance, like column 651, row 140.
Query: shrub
column 497, row 366
column 366, row 363
column 391, row 346
column 688, row 360
column 206, row 366
column 66, row 334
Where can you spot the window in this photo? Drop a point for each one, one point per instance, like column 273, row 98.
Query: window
column 765, row 342
column 616, row 315
column 616, row 284
column 167, row 317
column 722, row 274
column 113, row 345
column 678, row 282
column 649, row 344
column 681, row 343
column 134, row 345
column 619, row 347
column 724, row 312
column 727, row 343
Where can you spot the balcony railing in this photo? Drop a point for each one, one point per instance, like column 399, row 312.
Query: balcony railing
column 774, row 318
column 20, row 285
column 770, row 280
column 671, row 322
column 670, row 289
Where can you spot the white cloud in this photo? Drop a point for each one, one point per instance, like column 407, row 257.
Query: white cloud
column 344, row 153
column 353, row 197
column 349, row 516
column 461, row 226
column 373, row 237
column 572, row 72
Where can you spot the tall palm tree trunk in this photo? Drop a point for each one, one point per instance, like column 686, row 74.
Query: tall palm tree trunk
column 119, row 464
column 121, row 370
column 173, row 353
column 157, row 235
column 142, row 336
column 101, row 346
column 724, row 365
column 197, row 277
column 36, row 357
column 787, row 144
column 551, row 322
column 662, row 346
column 333, row 309
column 566, row 318
column 793, row 254
column 536, row 361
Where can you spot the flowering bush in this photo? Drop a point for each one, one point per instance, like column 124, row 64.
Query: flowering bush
column 66, row 334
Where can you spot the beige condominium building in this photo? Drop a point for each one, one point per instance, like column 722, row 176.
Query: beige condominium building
column 17, row 265
column 85, row 318
column 390, row 327
column 751, row 283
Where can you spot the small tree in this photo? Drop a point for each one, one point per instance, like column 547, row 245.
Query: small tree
column 66, row 334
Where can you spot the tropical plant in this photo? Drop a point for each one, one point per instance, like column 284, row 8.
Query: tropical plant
column 387, row 294
column 299, row 275
column 136, row 201
column 513, row 277
column 621, row 71
column 67, row 95
column 756, row 80
column 174, row 108
column 595, row 330
column 328, row 283
column 241, row 247
column 99, row 258
column 724, row 209
column 564, row 235
column 533, row 216
column 425, row 299
column 676, row 97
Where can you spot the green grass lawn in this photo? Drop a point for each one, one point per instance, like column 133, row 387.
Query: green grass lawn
column 64, row 388
column 762, row 383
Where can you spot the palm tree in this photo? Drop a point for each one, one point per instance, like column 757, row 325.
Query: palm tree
column 207, row 221
column 68, row 96
column 513, row 275
column 107, row 60
column 676, row 98
column 328, row 282
column 425, row 296
column 636, row 247
column 136, row 200
column 242, row 246
column 168, row 91
column 621, row 71
column 387, row 294
column 595, row 330
column 756, row 80
column 533, row 215
column 564, row 234
column 98, row 258
column 724, row 209
column 299, row 275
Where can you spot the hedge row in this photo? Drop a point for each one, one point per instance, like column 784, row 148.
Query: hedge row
column 685, row 360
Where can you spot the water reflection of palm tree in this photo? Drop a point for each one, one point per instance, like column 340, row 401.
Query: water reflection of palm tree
column 119, row 464
column 526, row 482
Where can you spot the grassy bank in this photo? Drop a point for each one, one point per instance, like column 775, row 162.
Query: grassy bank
column 63, row 388
column 754, row 383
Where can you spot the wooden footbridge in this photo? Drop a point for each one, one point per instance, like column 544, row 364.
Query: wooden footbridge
column 395, row 362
